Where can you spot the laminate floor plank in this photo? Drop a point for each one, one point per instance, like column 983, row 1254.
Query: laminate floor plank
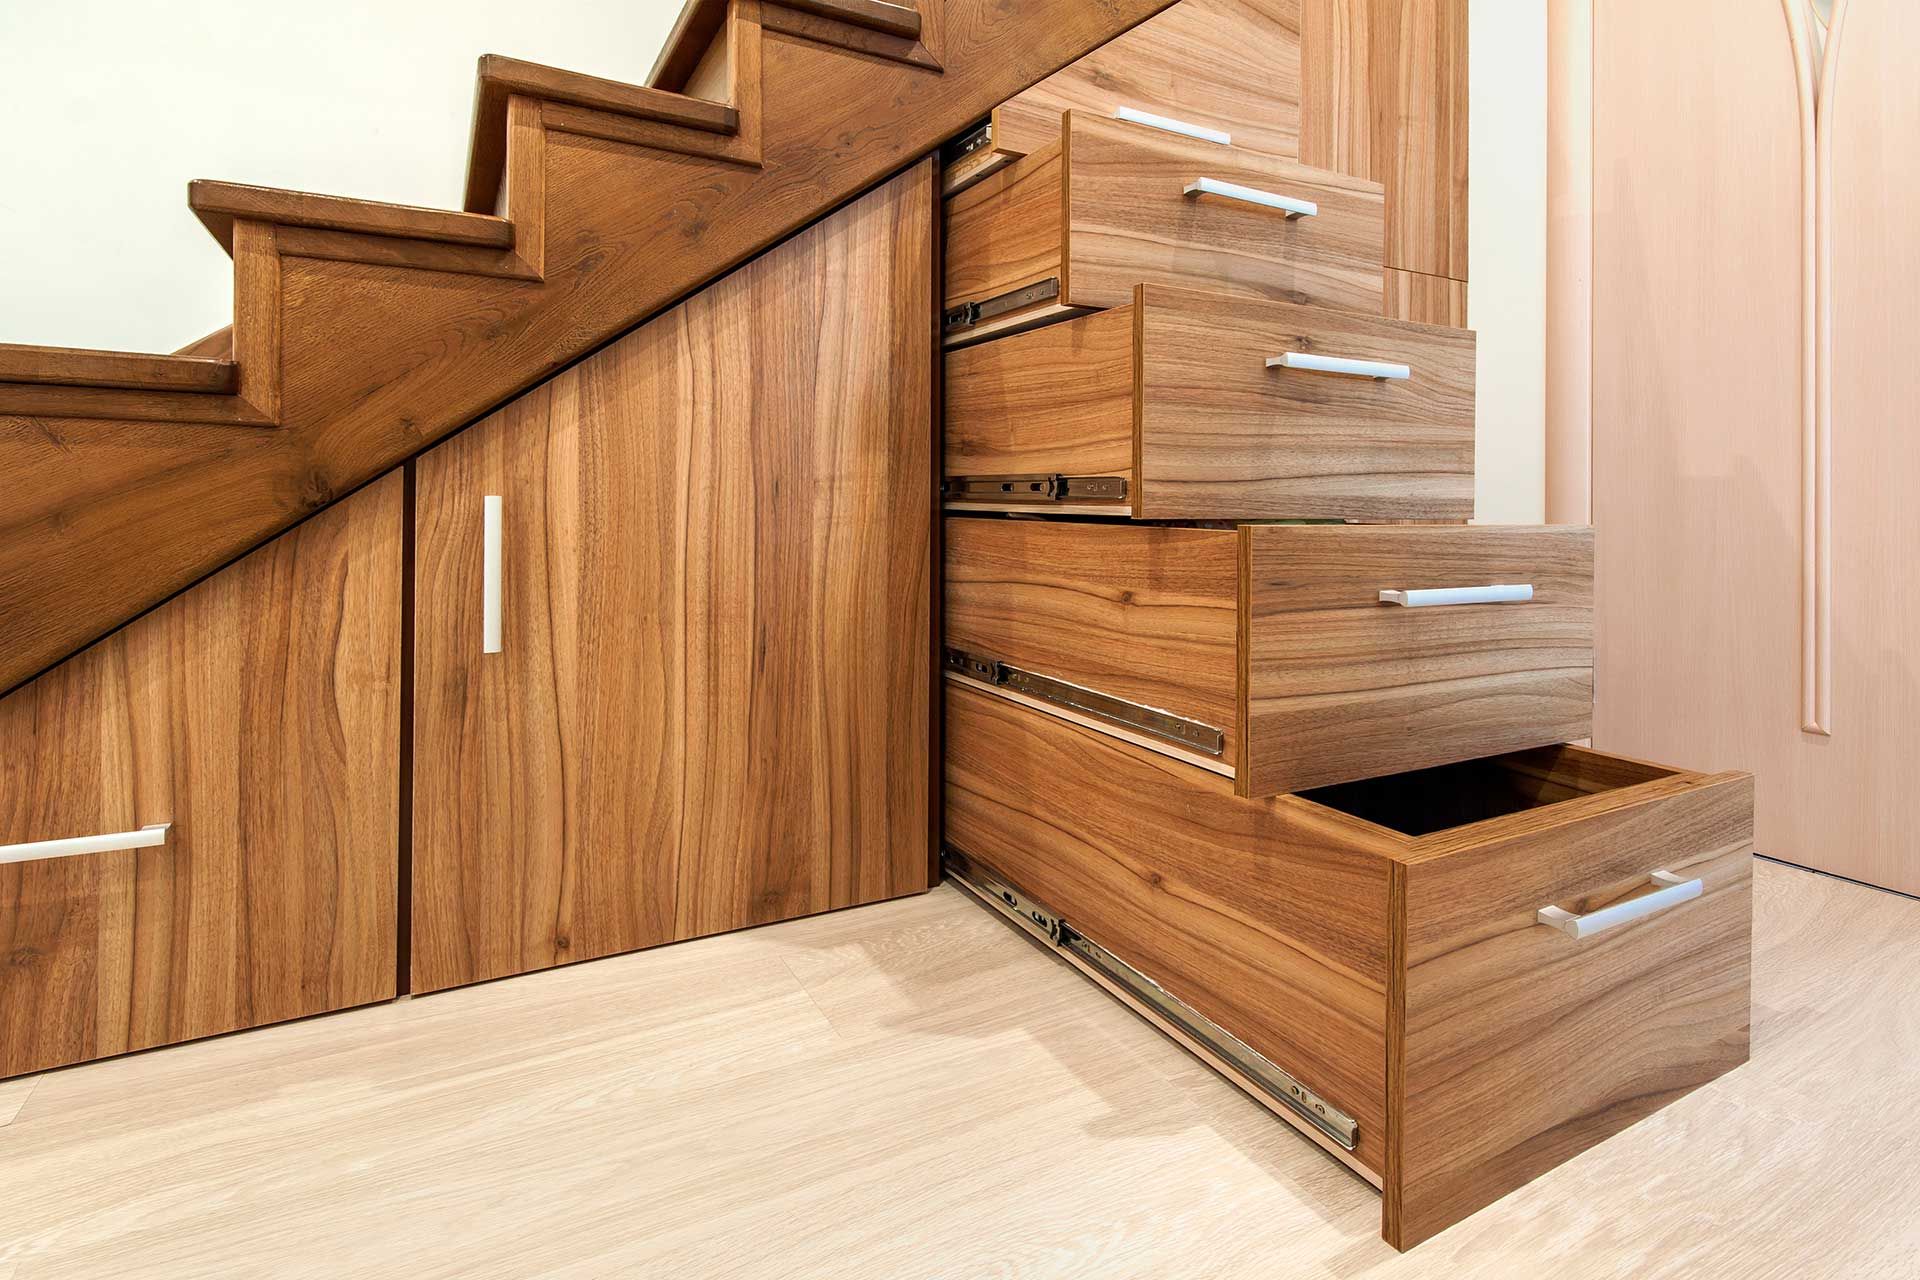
column 913, row 1089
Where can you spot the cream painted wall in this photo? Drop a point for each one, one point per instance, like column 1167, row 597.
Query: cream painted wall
column 112, row 105
column 1507, row 253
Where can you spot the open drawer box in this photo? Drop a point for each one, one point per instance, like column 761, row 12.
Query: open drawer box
column 1272, row 654
column 1454, row 979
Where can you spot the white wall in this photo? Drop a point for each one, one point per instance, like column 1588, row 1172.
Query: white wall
column 112, row 105
column 1507, row 253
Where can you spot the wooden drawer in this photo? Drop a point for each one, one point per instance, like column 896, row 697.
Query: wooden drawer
column 1167, row 408
column 1265, row 653
column 1228, row 67
column 1079, row 223
column 256, row 716
column 1380, row 943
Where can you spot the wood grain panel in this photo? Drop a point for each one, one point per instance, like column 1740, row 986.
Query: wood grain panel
column 712, row 707
column 259, row 714
column 1384, row 96
column 1147, row 614
column 1521, row 1047
column 1231, row 65
column 1425, row 299
column 1269, row 918
column 1059, row 399
column 1222, row 436
column 1129, row 223
column 364, row 365
column 1341, row 686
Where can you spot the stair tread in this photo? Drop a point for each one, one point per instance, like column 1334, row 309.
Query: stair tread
column 700, row 21
column 874, row 15
column 219, row 204
column 501, row 77
column 123, row 370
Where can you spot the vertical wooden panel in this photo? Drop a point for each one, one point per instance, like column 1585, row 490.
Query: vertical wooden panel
column 712, row 707
column 1426, row 299
column 1384, row 96
column 258, row 713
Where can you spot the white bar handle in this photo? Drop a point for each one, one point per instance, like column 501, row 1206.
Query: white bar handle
column 1266, row 199
column 490, row 576
column 1133, row 115
column 1499, row 593
column 43, row 850
column 1384, row 370
column 1672, row 891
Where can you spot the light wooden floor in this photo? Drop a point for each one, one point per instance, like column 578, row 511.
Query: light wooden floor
column 915, row 1090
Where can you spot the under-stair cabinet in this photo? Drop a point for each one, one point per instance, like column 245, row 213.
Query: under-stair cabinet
column 678, row 681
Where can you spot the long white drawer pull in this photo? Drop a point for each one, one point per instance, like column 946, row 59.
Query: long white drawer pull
column 1672, row 891
column 42, row 850
column 1228, row 191
column 1381, row 369
column 1499, row 593
column 490, row 577
column 1133, row 115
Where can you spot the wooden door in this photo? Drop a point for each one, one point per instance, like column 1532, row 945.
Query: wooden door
column 259, row 714
column 1752, row 440
column 711, row 703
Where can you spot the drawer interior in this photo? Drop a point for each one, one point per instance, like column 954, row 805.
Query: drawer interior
column 1427, row 801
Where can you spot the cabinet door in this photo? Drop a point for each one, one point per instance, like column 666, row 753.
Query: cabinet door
column 259, row 714
column 710, row 704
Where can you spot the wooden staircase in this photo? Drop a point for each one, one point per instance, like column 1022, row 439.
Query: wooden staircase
column 365, row 332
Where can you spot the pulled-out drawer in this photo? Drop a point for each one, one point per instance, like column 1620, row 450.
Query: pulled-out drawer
column 1454, row 979
column 1076, row 225
column 1183, row 405
column 1283, row 656
column 1223, row 70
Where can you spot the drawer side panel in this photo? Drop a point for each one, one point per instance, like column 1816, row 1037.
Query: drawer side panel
column 1005, row 232
column 1056, row 401
column 1264, row 917
column 1141, row 613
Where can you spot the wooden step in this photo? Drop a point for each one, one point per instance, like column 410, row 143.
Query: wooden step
column 220, row 204
column 121, row 370
column 501, row 78
column 701, row 21
column 874, row 15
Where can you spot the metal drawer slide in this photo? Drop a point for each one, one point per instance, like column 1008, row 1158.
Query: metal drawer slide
column 1139, row 718
column 1258, row 1071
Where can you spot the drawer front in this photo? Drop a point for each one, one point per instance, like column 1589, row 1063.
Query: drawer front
column 1517, row 1046
column 1340, row 685
column 1184, row 377
column 1257, row 914
column 259, row 715
column 1130, row 221
column 1232, row 66
column 1107, row 208
column 1138, row 615
column 1226, row 435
